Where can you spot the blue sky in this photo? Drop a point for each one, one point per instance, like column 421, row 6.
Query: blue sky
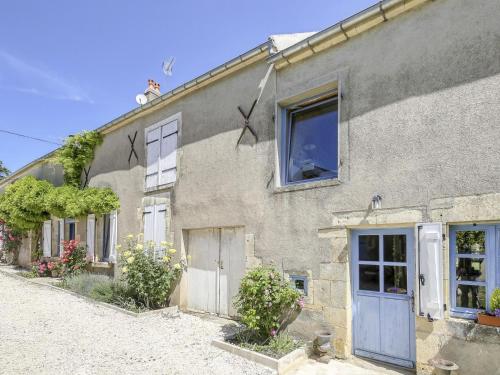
column 67, row 66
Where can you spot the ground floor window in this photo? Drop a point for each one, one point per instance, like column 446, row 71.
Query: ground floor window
column 473, row 270
column 106, row 236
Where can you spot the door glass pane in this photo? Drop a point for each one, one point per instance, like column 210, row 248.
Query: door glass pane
column 471, row 269
column 471, row 242
column 313, row 143
column 368, row 248
column 471, row 296
column 395, row 280
column 369, row 277
column 395, row 248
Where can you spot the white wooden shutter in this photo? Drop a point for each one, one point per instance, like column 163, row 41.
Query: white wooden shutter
column 153, row 155
column 60, row 245
column 113, row 236
column 160, row 223
column 90, row 237
column 168, row 156
column 47, row 238
column 149, row 226
column 431, row 270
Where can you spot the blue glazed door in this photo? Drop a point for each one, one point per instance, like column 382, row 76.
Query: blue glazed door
column 383, row 296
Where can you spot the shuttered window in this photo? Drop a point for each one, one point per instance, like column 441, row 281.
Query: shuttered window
column 161, row 149
column 473, row 269
column 155, row 225
column 47, row 238
column 60, row 235
column 90, row 237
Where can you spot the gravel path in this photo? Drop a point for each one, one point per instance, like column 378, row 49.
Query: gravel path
column 45, row 331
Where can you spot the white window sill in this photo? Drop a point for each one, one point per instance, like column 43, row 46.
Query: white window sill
column 306, row 185
column 159, row 187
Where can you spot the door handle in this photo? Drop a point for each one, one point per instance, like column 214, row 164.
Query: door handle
column 221, row 265
column 412, row 299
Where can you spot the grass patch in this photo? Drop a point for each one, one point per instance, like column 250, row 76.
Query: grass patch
column 27, row 274
column 275, row 347
column 103, row 289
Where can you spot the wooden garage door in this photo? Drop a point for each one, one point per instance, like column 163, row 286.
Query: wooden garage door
column 216, row 268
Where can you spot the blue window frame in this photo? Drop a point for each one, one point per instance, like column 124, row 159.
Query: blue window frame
column 310, row 141
column 473, row 268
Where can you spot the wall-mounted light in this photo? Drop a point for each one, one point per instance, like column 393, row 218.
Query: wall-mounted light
column 376, row 202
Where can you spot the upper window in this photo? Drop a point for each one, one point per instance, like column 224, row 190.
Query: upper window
column 311, row 150
column 161, row 149
column 472, row 268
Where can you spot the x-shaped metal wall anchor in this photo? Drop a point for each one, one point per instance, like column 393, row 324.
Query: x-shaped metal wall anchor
column 86, row 172
column 132, row 150
column 247, row 123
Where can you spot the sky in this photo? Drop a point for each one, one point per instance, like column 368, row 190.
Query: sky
column 68, row 66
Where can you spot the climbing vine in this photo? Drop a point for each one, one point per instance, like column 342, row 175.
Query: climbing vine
column 23, row 204
column 28, row 202
column 76, row 154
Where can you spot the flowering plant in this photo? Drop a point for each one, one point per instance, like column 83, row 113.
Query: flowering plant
column 74, row 257
column 10, row 238
column 266, row 302
column 150, row 271
column 40, row 268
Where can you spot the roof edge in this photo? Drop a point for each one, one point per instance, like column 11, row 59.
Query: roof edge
column 208, row 77
column 343, row 30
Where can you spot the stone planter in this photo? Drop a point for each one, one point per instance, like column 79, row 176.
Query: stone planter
column 281, row 365
column 488, row 320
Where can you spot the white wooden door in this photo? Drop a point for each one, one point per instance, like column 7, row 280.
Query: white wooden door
column 203, row 268
column 383, row 298
column 215, row 270
column 232, row 267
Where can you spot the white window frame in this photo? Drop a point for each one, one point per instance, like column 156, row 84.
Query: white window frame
column 177, row 117
column 492, row 272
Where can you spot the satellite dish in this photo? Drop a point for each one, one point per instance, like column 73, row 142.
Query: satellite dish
column 141, row 99
column 167, row 66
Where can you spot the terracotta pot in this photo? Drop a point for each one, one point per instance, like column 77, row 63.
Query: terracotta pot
column 488, row 320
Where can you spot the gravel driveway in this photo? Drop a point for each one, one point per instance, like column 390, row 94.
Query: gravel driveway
column 46, row 331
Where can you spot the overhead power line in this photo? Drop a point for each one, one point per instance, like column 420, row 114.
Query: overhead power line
column 29, row 137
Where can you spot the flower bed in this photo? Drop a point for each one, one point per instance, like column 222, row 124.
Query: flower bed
column 266, row 303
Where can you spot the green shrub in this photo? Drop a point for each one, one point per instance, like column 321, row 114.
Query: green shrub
column 495, row 301
column 150, row 280
column 266, row 301
column 84, row 283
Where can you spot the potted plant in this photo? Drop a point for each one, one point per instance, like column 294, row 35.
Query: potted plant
column 491, row 318
column 55, row 268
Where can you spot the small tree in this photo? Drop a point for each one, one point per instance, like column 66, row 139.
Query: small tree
column 4, row 172
column 265, row 301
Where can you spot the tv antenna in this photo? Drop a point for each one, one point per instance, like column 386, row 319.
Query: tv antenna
column 167, row 66
column 141, row 99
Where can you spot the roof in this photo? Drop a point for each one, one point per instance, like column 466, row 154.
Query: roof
column 280, row 49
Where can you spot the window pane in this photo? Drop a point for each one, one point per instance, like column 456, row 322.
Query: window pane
column 369, row 277
column 368, row 248
column 395, row 248
column 471, row 269
column 313, row 143
column 471, row 296
column 471, row 242
column 395, row 279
